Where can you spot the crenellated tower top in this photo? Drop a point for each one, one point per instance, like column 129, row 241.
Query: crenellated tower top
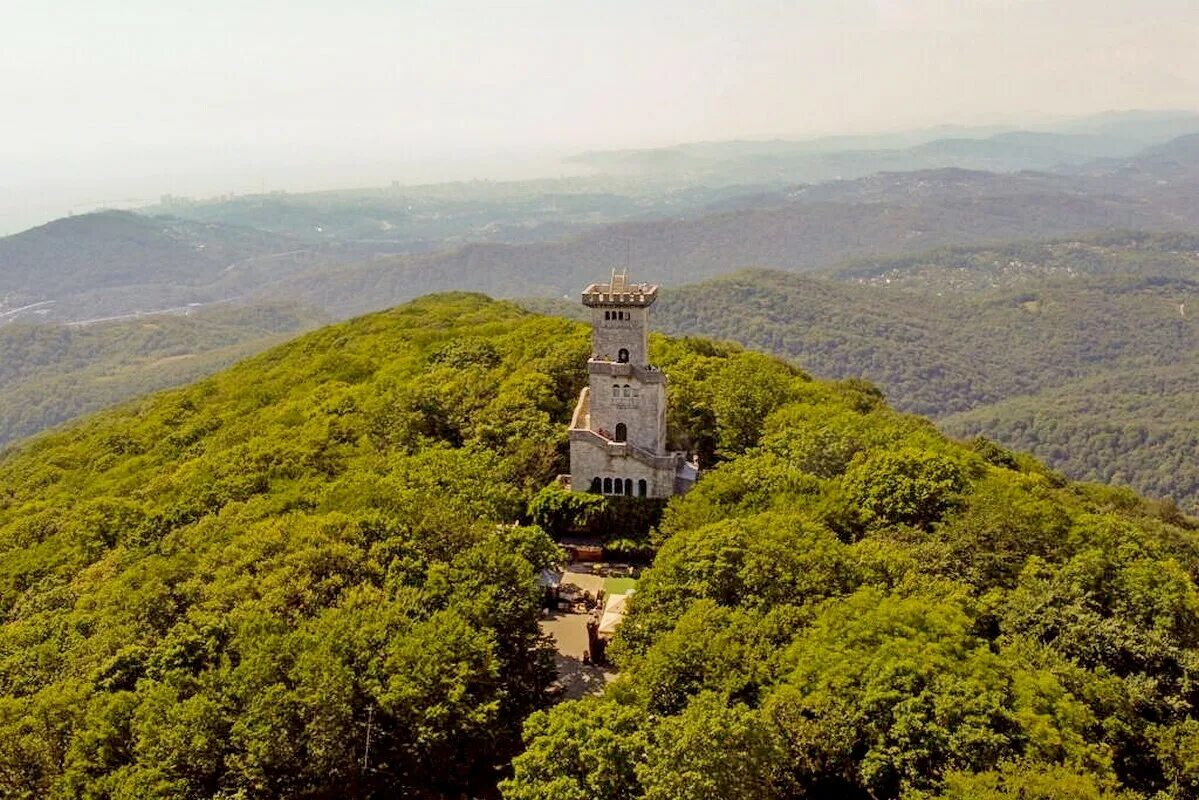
column 620, row 292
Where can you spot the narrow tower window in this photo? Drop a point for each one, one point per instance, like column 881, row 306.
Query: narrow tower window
column 597, row 487
column 607, row 486
column 627, row 391
column 622, row 432
column 623, row 356
column 642, row 488
column 616, row 390
column 619, row 486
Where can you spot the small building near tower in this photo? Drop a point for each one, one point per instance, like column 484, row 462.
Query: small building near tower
column 618, row 430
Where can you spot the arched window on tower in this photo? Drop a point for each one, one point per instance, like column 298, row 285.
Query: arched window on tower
column 623, row 356
column 628, row 392
column 628, row 486
column 642, row 487
column 616, row 390
column 597, row 487
column 619, row 486
column 607, row 486
column 622, row 432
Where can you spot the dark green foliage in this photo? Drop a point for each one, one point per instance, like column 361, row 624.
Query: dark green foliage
column 1083, row 351
column 559, row 511
column 1127, row 426
column 859, row 608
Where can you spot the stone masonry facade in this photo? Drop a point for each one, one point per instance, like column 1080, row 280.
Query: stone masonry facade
column 618, row 430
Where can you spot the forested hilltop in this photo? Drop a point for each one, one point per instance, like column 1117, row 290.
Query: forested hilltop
column 53, row 373
column 213, row 592
column 1083, row 351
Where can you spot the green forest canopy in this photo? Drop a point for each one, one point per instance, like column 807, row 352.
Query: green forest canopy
column 53, row 373
column 213, row 591
column 971, row 353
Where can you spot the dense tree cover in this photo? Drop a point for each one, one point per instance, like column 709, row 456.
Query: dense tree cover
column 1130, row 427
column 1015, row 264
column 852, row 606
column 218, row 591
column 1083, row 355
column 51, row 373
column 225, row 590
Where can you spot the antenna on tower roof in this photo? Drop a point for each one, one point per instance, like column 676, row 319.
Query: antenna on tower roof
column 620, row 281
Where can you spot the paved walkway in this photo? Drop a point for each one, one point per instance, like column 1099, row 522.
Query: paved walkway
column 569, row 631
column 576, row 679
column 585, row 581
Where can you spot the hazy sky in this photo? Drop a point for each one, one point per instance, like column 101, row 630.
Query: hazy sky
column 107, row 101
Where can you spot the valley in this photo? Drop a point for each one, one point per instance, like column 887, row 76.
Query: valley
column 599, row 401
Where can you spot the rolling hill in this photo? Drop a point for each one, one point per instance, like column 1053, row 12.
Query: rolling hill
column 517, row 242
column 116, row 263
column 1018, row 363
column 1135, row 426
column 225, row 590
column 52, row 373
column 805, row 228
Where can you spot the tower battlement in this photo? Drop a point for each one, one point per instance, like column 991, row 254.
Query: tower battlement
column 602, row 294
column 620, row 292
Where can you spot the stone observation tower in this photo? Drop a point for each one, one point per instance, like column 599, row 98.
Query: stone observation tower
column 618, row 431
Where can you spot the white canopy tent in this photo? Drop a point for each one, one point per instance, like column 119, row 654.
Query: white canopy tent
column 614, row 608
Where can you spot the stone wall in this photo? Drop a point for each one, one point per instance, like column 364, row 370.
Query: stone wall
column 640, row 406
column 610, row 336
column 588, row 460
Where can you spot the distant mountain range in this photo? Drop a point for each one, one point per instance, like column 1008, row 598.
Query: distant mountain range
column 938, row 284
column 1086, row 354
column 116, row 263
column 847, row 157
column 803, row 229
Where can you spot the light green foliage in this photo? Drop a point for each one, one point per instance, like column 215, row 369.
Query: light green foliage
column 215, row 591
column 711, row 750
column 905, row 487
column 586, row 750
column 859, row 608
column 1016, row 781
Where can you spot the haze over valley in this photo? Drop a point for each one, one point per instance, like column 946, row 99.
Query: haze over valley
column 624, row 401
column 872, row 245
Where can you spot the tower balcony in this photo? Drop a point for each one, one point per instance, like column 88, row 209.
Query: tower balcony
column 668, row 460
column 618, row 369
